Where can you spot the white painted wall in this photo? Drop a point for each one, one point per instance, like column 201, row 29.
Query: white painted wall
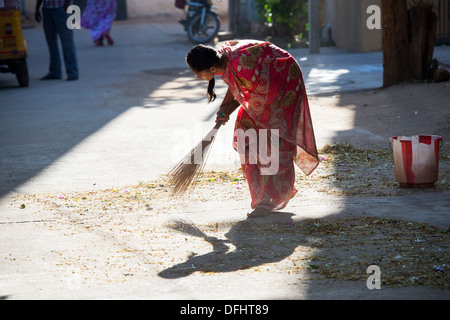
column 149, row 8
column 143, row 8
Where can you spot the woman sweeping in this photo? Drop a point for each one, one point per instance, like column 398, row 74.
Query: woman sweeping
column 267, row 82
column 98, row 17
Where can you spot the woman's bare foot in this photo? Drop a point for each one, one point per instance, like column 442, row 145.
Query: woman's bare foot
column 259, row 212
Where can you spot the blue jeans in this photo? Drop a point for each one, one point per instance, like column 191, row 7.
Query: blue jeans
column 54, row 26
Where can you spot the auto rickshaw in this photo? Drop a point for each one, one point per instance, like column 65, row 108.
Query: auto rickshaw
column 13, row 46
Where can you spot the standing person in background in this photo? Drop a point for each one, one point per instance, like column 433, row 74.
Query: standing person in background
column 98, row 17
column 55, row 24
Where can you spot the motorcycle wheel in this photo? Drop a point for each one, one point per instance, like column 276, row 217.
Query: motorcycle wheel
column 203, row 33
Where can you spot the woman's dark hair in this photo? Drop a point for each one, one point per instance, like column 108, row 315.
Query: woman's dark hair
column 201, row 58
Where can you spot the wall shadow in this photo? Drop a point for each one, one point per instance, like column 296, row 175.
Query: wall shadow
column 402, row 110
column 402, row 232
column 399, row 230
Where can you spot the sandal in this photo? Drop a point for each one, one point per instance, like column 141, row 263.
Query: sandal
column 108, row 38
column 99, row 42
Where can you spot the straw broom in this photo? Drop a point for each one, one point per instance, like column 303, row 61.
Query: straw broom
column 184, row 175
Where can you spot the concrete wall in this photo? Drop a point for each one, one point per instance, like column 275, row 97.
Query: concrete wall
column 148, row 8
column 348, row 19
column 371, row 40
column 145, row 8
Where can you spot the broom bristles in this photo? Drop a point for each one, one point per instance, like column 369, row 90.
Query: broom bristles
column 184, row 175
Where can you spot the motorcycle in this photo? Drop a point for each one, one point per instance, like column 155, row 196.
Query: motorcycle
column 201, row 23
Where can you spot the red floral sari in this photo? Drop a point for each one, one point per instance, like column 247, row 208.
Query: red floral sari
column 268, row 83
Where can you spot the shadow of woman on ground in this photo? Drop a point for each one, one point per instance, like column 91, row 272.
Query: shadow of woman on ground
column 257, row 241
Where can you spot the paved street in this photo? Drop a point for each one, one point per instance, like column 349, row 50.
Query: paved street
column 135, row 101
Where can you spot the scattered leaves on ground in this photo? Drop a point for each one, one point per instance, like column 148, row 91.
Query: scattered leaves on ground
column 408, row 253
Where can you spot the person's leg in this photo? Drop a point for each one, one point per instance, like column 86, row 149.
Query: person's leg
column 108, row 20
column 268, row 192
column 52, row 42
column 68, row 44
column 108, row 37
column 99, row 41
column 260, row 200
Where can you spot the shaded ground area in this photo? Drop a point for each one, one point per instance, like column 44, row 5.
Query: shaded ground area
column 368, row 119
column 409, row 253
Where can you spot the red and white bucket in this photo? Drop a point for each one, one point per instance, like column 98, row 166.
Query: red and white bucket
column 416, row 160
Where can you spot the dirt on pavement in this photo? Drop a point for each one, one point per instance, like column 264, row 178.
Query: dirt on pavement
column 155, row 235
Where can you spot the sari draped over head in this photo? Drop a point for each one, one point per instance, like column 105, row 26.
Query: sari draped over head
column 268, row 83
column 98, row 17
